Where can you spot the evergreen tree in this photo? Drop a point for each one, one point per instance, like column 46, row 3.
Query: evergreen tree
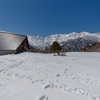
column 55, row 46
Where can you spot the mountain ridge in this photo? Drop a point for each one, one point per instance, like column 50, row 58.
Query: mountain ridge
column 41, row 42
column 93, row 48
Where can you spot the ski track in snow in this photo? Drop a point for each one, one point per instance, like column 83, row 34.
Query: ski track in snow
column 14, row 65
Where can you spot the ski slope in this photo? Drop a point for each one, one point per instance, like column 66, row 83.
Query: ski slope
column 37, row 76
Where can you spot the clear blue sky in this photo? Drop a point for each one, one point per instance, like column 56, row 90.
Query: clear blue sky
column 47, row 17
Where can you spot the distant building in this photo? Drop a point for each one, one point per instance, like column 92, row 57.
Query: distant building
column 11, row 43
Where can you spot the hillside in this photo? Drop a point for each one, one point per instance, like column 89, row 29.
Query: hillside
column 94, row 48
column 80, row 43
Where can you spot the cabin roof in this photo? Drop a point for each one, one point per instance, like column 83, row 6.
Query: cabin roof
column 10, row 41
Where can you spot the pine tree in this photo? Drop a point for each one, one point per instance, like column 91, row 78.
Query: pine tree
column 55, row 46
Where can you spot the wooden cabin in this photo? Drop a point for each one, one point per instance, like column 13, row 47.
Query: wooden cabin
column 11, row 43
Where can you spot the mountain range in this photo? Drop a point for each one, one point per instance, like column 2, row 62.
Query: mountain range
column 71, row 42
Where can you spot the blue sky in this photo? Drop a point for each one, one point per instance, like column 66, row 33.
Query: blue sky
column 47, row 17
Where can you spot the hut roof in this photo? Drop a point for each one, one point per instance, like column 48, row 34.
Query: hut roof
column 10, row 41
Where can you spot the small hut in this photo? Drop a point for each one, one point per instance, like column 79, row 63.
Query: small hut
column 11, row 43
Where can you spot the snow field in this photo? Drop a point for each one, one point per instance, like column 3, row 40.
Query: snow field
column 35, row 76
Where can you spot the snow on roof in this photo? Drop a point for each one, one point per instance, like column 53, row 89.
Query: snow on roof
column 10, row 41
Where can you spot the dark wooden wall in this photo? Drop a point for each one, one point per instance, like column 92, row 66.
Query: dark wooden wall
column 24, row 46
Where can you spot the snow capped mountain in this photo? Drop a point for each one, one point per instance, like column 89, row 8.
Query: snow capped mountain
column 80, row 43
column 58, row 37
column 36, row 41
column 41, row 42
column 97, row 34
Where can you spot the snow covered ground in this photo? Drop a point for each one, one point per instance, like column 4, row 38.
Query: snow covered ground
column 35, row 76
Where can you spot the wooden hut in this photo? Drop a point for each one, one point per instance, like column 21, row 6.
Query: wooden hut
column 11, row 43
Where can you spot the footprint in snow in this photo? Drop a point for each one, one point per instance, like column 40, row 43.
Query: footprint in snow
column 32, row 82
column 43, row 97
column 16, row 74
column 52, row 85
column 95, row 98
column 58, row 75
column 47, row 86
column 22, row 76
column 10, row 73
column 0, row 84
